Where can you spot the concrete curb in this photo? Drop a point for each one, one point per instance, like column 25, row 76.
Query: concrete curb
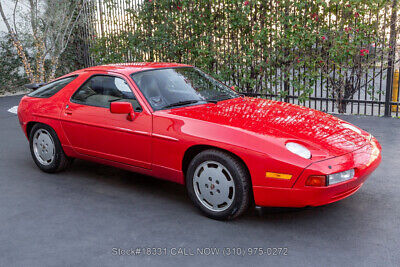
column 15, row 94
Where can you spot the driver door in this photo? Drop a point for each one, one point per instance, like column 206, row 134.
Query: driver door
column 93, row 130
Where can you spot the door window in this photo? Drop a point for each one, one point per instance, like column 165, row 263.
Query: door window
column 101, row 90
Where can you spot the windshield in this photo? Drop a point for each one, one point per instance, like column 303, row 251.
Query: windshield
column 173, row 87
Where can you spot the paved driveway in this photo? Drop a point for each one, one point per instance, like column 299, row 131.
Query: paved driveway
column 85, row 214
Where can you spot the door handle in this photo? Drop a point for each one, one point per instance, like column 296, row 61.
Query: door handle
column 67, row 111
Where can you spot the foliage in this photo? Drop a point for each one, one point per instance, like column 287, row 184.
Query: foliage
column 43, row 35
column 260, row 46
column 11, row 75
column 72, row 57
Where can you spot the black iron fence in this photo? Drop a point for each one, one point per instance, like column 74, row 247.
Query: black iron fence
column 376, row 95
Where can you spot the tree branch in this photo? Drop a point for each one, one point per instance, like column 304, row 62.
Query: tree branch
column 18, row 46
column 15, row 24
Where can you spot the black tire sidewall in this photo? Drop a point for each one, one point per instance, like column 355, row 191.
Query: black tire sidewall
column 233, row 167
column 59, row 153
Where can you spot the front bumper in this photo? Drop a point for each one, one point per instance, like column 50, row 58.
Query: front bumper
column 364, row 160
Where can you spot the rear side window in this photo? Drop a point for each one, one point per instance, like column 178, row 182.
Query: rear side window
column 52, row 88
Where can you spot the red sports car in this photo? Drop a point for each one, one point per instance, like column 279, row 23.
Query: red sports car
column 176, row 122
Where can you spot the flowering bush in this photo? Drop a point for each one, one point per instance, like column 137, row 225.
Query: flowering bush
column 275, row 47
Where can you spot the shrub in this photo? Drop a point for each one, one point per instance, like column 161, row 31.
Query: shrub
column 265, row 47
column 12, row 76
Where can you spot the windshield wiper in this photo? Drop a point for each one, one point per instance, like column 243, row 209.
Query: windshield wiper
column 181, row 103
column 216, row 100
column 223, row 97
column 113, row 100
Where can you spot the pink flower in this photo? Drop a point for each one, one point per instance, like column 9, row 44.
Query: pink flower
column 315, row 16
column 323, row 38
column 347, row 29
column 246, row 3
column 364, row 52
column 356, row 14
column 179, row 8
column 357, row 30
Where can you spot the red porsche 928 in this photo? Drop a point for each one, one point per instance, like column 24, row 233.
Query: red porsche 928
column 175, row 122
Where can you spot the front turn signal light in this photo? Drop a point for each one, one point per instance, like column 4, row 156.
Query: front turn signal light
column 316, row 180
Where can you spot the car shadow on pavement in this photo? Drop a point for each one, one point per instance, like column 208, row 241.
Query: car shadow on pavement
column 112, row 181
column 112, row 178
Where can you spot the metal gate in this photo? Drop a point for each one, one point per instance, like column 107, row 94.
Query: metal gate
column 104, row 17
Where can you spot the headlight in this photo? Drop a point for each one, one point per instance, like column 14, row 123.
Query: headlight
column 298, row 150
column 351, row 127
column 340, row 177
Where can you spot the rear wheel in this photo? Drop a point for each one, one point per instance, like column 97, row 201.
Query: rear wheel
column 46, row 149
column 218, row 184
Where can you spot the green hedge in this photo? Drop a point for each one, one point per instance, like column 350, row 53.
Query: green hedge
column 12, row 76
column 258, row 46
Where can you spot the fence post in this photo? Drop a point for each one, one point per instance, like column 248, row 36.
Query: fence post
column 100, row 5
column 389, row 84
column 391, row 59
column 395, row 90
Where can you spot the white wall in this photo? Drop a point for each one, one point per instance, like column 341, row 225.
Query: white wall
column 8, row 7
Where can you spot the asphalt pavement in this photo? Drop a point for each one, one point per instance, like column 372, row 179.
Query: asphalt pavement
column 89, row 214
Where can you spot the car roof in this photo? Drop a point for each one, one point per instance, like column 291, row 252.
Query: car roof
column 129, row 68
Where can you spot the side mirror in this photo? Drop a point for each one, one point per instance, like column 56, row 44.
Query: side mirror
column 122, row 108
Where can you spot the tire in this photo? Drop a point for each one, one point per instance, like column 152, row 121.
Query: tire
column 218, row 184
column 46, row 149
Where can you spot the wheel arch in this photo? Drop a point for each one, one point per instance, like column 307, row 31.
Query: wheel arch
column 30, row 124
column 192, row 151
column 29, row 127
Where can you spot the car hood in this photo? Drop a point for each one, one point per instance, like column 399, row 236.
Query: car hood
column 324, row 134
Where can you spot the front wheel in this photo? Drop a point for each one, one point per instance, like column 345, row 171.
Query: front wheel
column 46, row 149
column 218, row 184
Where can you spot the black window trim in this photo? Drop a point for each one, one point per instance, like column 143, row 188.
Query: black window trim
column 108, row 75
column 165, row 68
column 56, row 80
